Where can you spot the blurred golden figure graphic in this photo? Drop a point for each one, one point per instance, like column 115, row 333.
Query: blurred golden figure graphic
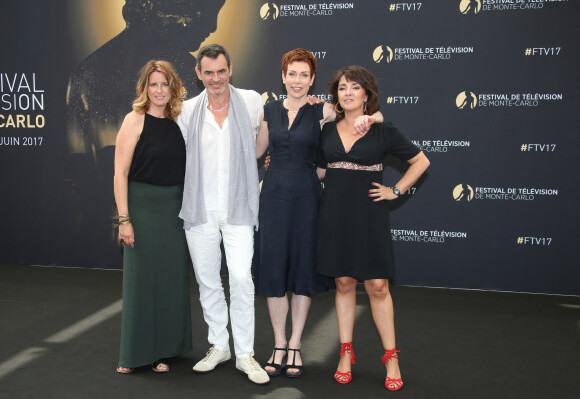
column 101, row 90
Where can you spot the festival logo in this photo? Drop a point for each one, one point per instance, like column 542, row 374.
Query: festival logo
column 21, row 101
column 268, row 96
column 469, row 100
column 463, row 192
column 385, row 53
column 466, row 100
column 272, row 11
column 473, row 7
column 269, row 11
column 382, row 53
column 470, row 6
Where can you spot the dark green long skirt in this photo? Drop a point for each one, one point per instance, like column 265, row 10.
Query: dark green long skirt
column 156, row 318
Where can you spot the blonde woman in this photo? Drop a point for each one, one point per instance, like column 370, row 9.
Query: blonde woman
column 149, row 175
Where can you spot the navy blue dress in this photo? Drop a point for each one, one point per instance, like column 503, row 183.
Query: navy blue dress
column 285, row 255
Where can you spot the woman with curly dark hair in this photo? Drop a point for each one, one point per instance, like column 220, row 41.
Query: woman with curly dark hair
column 354, row 237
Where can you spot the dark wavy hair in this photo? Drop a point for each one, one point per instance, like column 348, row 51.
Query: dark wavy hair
column 362, row 76
column 299, row 54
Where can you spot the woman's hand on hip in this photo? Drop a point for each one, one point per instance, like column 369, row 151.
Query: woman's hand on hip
column 381, row 193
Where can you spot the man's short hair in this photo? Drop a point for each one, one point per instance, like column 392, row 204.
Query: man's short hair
column 212, row 51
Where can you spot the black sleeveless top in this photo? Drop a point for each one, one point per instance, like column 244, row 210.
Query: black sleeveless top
column 159, row 156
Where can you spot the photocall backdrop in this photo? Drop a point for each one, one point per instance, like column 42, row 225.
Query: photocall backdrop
column 488, row 89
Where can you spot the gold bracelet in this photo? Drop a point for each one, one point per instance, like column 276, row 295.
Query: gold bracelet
column 125, row 222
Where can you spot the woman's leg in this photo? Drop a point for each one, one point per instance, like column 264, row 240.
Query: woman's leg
column 300, row 307
column 384, row 317
column 345, row 302
column 278, row 309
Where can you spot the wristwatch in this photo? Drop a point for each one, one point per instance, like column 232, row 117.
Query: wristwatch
column 396, row 191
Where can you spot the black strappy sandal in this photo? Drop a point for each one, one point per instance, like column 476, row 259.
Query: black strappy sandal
column 277, row 367
column 294, row 374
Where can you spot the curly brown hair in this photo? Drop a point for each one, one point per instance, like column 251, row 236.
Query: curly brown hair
column 178, row 92
column 362, row 76
column 299, row 54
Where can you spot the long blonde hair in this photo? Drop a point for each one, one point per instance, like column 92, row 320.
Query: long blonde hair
column 178, row 92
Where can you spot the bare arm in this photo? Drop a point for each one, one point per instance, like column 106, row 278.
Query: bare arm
column 328, row 113
column 419, row 164
column 125, row 147
column 379, row 118
column 262, row 139
column 361, row 125
column 321, row 173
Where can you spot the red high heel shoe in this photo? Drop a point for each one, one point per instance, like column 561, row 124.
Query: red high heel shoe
column 392, row 384
column 345, row 378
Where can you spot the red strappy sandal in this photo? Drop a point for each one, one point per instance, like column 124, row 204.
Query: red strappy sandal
column 345, row 378
column 390, row 383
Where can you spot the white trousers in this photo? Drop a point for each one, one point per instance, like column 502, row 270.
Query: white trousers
column 204, row 246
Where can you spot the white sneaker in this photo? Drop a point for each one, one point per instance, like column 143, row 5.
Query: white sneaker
column 255, row 373
column 213, row 357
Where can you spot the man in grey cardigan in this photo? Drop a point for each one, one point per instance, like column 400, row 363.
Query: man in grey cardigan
column 220, row 200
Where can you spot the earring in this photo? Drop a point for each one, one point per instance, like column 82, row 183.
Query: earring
column 336, row 109
column 365, row 107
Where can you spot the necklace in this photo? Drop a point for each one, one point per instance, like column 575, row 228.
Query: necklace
column 285, row 105
column 218, row 110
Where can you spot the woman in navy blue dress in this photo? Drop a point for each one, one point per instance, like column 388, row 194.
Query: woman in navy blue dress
column 289, row 201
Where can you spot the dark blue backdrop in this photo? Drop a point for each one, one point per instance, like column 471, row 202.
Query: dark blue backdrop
column 489, row 91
